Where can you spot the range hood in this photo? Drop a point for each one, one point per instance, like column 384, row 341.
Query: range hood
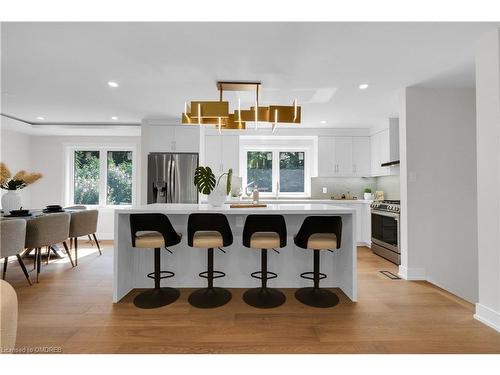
column 393, row 143
column 390, row 163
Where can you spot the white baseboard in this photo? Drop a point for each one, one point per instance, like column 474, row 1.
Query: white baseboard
column 411, row 273
column 487, row 316
column 369, row 245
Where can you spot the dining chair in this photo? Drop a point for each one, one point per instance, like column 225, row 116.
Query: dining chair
column 83, row 223
column 47, row 230
column 12, row 237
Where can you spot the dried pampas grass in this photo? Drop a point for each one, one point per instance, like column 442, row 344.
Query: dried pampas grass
column 20, row 176
column 4, row 173
column 19, row 180
column 32, row 177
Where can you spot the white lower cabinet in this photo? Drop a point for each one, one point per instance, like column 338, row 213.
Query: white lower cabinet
column 363, row 223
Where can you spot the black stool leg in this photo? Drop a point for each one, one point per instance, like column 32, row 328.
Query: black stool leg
column 264, row 297
column 210, row 296
column 158, row 296
column 316, row 296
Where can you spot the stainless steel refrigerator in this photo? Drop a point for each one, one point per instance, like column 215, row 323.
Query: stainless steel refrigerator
column 171, row 178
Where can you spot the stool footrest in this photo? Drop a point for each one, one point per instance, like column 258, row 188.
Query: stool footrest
column 216, row 274
column 168, row 274
column 258, row 275
column 310, row 275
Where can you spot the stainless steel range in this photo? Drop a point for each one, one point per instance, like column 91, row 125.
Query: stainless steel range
column 385, row 229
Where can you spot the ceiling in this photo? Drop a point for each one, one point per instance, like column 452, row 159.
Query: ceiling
column 59, row 71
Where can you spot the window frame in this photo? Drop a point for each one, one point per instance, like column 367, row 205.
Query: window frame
column 69, row 151
column 290, row 145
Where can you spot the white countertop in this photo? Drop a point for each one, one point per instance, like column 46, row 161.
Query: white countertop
column 284, row 208
column 312, row 201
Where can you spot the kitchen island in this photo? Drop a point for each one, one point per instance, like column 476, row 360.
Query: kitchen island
column 132, row 265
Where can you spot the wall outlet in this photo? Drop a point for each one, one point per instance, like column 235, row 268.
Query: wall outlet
column 325, row 190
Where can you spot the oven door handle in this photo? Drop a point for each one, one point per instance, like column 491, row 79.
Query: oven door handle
column 387, row 214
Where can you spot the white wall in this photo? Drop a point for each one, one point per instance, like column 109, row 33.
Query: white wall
column 49, row 159
column 439, row 225
column 15, row 151
column 488, row 177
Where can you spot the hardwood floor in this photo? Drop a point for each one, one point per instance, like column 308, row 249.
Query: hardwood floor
column 72, row 309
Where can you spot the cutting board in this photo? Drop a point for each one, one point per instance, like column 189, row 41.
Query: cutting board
column 246, row 205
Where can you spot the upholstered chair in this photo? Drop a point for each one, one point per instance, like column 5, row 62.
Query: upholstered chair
column 47, row 230
column 83, row 223
column 12, row 236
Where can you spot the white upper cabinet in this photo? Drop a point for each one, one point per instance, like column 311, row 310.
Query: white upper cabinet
column 169, row 138
column 361, row 156
column 187, row 139
column 342, row 148
column 213, row 153
column 325, row 156
column 222, row 153
column 343, row 156
column 384, row 149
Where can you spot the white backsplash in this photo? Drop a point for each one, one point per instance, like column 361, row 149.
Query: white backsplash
column 389, row 185
column 355, row 185
column 340, row 185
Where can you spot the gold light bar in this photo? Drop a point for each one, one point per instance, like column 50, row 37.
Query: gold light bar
column 209, row 109
column 288, row 113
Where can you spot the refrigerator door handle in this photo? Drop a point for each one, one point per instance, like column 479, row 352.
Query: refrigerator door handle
column 168, row 187
column 174, row 180
column 177, row 184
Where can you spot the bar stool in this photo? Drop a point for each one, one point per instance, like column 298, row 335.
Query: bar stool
column 264, row 232
column 318, row 233
column 154, row 231
column 209, row 231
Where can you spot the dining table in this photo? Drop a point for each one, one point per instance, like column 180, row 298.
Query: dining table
column 37, row 212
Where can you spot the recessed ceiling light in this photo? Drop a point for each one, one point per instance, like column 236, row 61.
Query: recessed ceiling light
column 363, row 86
column 114, row 118
column 40, row 118
column 113, row 84
column 322, row 122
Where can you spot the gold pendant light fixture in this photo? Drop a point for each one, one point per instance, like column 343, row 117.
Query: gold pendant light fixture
column 217, row 112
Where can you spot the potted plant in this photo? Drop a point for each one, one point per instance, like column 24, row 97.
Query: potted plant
column 368, row 193
column 12, row 199
column 206, row 183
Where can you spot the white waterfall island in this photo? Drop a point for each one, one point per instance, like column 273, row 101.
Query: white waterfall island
column 132, row 265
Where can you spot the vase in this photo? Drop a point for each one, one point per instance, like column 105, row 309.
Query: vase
column 368, row 196
column 217, row 197
column 11, row 201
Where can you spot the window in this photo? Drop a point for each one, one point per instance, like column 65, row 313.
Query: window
column 86, row 177
column 260, row 169
column 119, row 181
column 100, row 176
column 280, row 166
column 277, row 172
column 292, row 174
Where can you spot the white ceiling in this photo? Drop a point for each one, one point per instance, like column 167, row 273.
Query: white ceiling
column 60, row 70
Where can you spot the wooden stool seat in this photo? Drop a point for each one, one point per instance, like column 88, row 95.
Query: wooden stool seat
column 150, row 240
column 207, row 239
column 265, row 240
column 322, row 241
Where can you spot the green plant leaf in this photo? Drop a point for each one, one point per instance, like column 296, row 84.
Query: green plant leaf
column 204, row 180
column 229, row 178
